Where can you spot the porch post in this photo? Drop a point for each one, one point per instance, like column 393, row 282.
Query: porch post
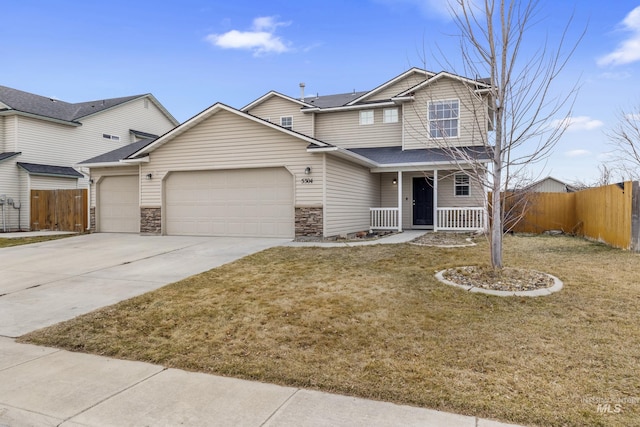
column 399, row 201
column 435, row 200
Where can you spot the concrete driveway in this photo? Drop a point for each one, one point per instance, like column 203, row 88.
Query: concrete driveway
column 45, row 283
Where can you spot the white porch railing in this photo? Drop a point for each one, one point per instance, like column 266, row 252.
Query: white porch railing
column 461, row 219
column 384, row 218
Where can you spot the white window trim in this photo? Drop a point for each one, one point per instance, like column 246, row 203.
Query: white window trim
column 373, row 116
column 286, row 117
column 396, row 116
column 429, row 120
column 455, row 184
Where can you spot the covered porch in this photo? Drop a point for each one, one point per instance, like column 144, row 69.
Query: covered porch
column 436, row 199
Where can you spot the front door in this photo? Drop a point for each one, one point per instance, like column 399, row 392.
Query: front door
column 423, row 201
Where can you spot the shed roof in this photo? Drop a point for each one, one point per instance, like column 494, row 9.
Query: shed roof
column 50, row 170
column 384, row 156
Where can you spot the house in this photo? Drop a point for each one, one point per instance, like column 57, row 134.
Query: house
column 550, row 185
column 41, row 139
column 311, row 166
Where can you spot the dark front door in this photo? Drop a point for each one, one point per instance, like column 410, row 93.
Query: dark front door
column 423, row 201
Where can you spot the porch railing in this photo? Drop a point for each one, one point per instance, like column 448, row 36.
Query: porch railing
column 461, row 219
column 384, row 218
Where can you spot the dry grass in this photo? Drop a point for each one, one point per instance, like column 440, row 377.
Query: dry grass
column 5, row 243
column 373, row 322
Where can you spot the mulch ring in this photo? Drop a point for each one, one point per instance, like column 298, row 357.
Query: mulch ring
column 508, row 279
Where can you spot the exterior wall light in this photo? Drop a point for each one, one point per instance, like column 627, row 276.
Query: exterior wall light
column 395, row 181
column 149, row 176
column 307, row 170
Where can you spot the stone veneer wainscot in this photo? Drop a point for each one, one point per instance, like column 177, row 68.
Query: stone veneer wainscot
column 308, row 222
column 151, row 221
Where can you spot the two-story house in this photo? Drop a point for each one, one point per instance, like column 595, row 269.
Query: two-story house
column 42, row 139
column 314, row 166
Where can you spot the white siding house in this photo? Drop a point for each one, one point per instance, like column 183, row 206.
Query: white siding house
column 42, row 140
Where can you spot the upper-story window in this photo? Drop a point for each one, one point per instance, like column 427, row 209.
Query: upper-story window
column 286, row 122
column 112, row 137
column 366, row 117
column 443, row 118
column 390, row 115
column 462, row 184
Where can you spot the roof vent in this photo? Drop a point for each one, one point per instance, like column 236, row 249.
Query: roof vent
column 302, row 92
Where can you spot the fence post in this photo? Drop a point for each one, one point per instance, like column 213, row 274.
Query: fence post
column 635, row 216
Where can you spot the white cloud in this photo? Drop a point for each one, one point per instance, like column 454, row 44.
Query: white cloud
column 577, row 153
column 578, row 123
column 629, row 50
column 622, row 75
column 260, row 40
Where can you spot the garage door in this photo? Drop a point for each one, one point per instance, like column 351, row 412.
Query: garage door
column 249, row 202
column 118, row 204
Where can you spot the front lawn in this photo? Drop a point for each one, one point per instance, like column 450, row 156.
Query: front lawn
column 372, row 321
column 5, row 243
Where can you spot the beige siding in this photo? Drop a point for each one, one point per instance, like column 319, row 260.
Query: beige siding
column 228, row 141
column 446, row 192
column 276, row 107
column 56, row 144
column 343, row 128
column 3, row 149
column 550, row 186
column 388, row 190
column 11, row 134
column 98, row 173
column 398, row 87
column 351, row 191
column 53, row 183
column 472, row 120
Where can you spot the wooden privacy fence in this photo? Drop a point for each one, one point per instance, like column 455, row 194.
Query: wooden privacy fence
column 610, row 214
column 61, row 210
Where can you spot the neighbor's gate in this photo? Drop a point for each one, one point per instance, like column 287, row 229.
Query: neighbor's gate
column 61, row 210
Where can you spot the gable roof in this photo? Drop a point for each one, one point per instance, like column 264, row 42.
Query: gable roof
column 479, row 83
column 27, row 103
column 359, row 100
column 50, row 170
column 391, row 82
column 208, row 113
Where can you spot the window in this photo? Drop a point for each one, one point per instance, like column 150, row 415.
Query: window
column 286, row 122
column 462, row 184
column 443, row 119
column 366, row 117
column 112, row 137
column 390, row 115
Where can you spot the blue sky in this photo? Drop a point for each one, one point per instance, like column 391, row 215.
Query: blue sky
column 193, row 53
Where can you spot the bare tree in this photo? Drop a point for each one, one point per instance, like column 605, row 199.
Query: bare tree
column 625, row 140
column 523, row 107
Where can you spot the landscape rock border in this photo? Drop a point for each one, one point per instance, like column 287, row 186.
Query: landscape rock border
column 557, row 286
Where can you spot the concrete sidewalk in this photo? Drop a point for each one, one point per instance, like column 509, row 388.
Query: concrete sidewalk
column 42, row 386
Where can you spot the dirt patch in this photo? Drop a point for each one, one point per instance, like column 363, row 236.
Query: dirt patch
column 445, row 239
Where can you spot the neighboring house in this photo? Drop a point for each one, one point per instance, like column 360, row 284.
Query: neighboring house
column 317, row 166
column 41, row 139
column 549, row 185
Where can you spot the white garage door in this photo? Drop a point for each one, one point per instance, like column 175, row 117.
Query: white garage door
column 248, row 202
column 118, row 204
